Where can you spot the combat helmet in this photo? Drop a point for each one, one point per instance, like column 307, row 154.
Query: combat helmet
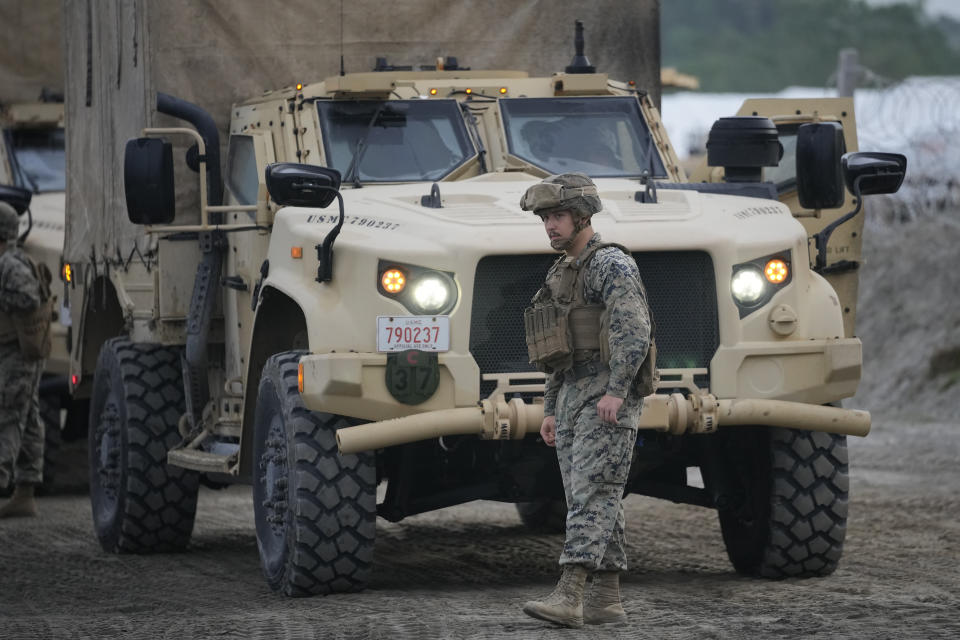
column 573, row 192
column 9, row 222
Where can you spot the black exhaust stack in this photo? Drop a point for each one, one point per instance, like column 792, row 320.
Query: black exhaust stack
column 207, row 128
column 207, row 281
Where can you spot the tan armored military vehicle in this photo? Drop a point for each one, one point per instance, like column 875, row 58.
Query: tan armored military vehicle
column 32, row 179
column 349, row 314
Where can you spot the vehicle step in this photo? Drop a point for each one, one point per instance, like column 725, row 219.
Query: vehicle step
column 227, row 429
column 201, row 460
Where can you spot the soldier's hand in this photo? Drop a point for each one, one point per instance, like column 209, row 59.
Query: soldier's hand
column 548, row 431
column 607, row 408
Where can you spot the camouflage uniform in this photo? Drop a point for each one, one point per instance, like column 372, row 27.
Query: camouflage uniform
column 21, row 430
column 595, row 456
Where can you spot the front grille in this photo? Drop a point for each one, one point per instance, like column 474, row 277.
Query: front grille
column 682, row 295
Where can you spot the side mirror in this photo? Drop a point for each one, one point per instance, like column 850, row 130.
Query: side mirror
column 873, row 172
column 820, row 146
column 16, row 197
column 148, row 181
column 302, row 185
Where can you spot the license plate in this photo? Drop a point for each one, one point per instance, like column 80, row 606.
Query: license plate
column 400, row 333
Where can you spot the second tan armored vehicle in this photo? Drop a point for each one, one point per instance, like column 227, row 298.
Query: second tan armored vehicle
column 33, row 179
column 348, row 315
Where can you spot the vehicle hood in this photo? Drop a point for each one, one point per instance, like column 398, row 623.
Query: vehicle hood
column 482, row 216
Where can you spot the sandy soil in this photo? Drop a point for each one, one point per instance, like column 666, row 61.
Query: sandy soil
column 464, row 572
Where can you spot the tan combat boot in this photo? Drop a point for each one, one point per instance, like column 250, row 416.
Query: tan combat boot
column 21, row 504
column 602, row 602
column 565, row 605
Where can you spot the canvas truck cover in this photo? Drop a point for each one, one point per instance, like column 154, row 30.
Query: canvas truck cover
column 214, row 53
column 31, row 55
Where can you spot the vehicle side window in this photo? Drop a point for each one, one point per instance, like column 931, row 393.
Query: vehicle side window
column 784, row 176
column 242, row 169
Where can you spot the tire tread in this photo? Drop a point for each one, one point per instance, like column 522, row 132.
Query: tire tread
column 160, row 499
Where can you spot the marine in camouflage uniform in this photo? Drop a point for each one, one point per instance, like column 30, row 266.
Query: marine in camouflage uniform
column 21, row 430
column 590, row 409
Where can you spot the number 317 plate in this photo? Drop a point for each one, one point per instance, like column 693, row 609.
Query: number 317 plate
column 426, row 333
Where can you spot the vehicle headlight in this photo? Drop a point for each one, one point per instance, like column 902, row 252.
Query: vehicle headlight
column 421, row 290
column 753, row 283
column 747, row 285
column 431, row 293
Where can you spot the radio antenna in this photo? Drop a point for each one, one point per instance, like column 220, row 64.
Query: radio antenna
column 342, row 72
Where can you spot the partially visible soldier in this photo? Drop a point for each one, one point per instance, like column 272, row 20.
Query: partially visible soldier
column 23, row 319
column 589, row 328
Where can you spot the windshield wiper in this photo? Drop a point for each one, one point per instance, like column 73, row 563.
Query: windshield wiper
column 353, row 171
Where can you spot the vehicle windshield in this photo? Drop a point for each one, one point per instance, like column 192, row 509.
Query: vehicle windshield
column 601, row 137
column 38, row 158
column 394, row 141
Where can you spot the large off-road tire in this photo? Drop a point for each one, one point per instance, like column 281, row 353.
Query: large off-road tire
column 140, row 503
column 315, row 509
column 794, row 517
column 544, row 516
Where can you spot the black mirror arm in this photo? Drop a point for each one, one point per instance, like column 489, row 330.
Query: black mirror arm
column 325, row 249
column 823, row 236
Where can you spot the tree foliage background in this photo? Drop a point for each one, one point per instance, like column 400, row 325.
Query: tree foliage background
column 766, row 45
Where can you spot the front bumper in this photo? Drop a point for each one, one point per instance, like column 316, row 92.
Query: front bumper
column 816, row 371
column 353, row 384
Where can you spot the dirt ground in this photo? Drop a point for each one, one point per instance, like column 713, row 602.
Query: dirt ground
column 463, row 572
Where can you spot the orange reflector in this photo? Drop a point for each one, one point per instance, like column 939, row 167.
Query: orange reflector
column 393, row 280
column 433, row 92
column 468, row 91
column 300, row 377
column 632, row 82
column 776, row 271
column 67, row 272
column 503, row 89
column 299, row 86
column 296, row 252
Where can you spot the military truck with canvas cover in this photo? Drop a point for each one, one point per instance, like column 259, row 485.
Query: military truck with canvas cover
column 33, row 181
column 348, row 315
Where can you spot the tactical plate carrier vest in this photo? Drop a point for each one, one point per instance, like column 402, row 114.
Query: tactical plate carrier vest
column 563, row 329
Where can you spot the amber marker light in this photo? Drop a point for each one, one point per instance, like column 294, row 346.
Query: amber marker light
column 296, row 252
column 299, row 86
column 393, row 280
column 300, row 377
column 503, row 90
column 67, row 273
column 776, row 271
column 433, row 92
column 468, row 91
